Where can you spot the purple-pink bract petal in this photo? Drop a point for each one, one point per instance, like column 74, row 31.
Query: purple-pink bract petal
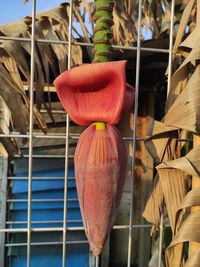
column 100, row 168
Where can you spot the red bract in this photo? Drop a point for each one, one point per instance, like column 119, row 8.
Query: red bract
column 100, row 167
column 94, row 92
column 89, row 93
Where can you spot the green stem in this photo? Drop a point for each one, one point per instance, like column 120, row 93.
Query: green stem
column 102, row 31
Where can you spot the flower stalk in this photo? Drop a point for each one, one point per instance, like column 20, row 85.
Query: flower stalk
column 102, row 32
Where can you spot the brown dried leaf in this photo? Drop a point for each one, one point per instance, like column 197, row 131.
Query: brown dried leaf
column 189, row 231
column 191, row 199
column 14, row 97
column 56, row 14
column 160, row 137
column 154, row 206
column 16, row 52
column 13, row 100
column 193, row 260
column 15, row 56
column 13, row 28
column 166, row 20
column 183, row 23
column 10, row 144
column 181, row 74
column 192, row 39
column 174, row 187
column 161, row 145
column 11, row 66
column 185, row 233
column 190, row 163
column 184, row 113
column 46, row 55
column 124, row 30
column 174, row 257
column 59, row 50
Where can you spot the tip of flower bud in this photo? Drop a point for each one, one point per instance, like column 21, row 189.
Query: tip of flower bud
column 96, row 250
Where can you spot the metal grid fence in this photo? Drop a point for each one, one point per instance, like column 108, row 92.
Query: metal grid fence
column 31, row 135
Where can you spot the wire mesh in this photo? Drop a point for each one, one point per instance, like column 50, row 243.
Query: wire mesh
column 67, row 148
column 30, row 155
column 134, row 131
column 30, row 159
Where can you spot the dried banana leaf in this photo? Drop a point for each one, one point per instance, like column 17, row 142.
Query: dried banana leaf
column 17, row 53
column 14, row 100
column 159, row 139
column 15, row 59
column 182, row 74
column 124, row 30
column 192, row 39
column 13, row 29
column 154, row 206
column 185, row 230
column 174, row 186
column 184, row 113
column 10, row 144
column 183, row 24
column 193, row 260
column 189, row 231
column 190, row 163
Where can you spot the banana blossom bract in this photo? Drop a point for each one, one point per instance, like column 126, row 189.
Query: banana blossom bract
column 96, row 95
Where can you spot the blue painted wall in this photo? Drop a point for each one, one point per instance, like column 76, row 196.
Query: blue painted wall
column 51, row 255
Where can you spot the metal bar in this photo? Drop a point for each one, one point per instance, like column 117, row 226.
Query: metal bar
column 14, row 135
column 53, row 111
column 67, row 145
column 30, row 159
column 45, row 156
column 156, row 50
column 160, row 242
column 168, row 89
column 43, row 222
column 129, row 48
column 134, row 132
column 18, row 39
column 97, row 261
column 39, row 178
column 170, row 46
column 3, row 206
column 40, row 200
column 47, row 243
column 39, row 136
column 118, row 227
column 56, row 136
column 43, row 229
column 76, row 136
column 71, row 228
